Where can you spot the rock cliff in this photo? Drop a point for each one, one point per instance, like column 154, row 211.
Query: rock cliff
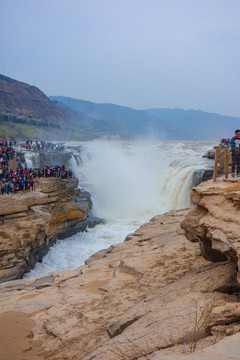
column 215, row 222
column 152, row 297
column 31, row 221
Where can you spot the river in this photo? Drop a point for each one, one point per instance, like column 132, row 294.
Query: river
column 130, row 182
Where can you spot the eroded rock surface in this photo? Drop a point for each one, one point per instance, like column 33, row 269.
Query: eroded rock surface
column 215, row 221
column 31, row 221
column 152, row 297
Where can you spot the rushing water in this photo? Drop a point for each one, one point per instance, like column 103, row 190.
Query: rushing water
column 130, row 182
column 31, row 159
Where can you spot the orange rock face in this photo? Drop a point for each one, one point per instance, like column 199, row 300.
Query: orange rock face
column 31, row 221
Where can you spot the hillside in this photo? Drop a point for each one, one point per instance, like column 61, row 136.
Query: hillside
column 26, row 111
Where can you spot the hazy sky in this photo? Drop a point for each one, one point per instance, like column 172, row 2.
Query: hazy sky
column 137, row 53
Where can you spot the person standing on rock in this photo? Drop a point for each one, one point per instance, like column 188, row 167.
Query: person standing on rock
column 234, row 145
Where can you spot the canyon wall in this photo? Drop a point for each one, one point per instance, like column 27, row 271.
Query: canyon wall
column 154, row 296
column 31, row 221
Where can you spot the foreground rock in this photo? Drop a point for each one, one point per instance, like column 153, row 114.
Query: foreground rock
column 215, row 222
column 31, row 221
column 152, row 297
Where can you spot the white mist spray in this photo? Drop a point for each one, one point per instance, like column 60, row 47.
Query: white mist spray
column 133, row 179
column 129, row 183
column 31, row 159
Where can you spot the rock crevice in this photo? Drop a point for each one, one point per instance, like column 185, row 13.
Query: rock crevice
column 215, row 220
column 139, row 299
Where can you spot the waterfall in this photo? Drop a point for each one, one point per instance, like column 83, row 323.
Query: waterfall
column 31, row 159
column 129, row 182
column 133, row 179
column 75, row 165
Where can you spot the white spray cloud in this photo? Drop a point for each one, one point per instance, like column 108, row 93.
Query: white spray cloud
column 132, row 179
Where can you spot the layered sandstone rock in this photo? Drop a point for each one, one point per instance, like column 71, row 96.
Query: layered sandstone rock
column 31, row 221
column 215, row 221
column 152, row 297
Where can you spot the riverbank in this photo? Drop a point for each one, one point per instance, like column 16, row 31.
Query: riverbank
column 31, row 222
column 152, row 297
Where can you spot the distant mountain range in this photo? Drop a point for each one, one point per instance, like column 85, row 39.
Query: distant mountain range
column 117, row 120
column 166, row 123
column 197, row 124
column 26, row 112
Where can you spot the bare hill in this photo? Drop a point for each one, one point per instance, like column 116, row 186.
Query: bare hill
column 25, row 107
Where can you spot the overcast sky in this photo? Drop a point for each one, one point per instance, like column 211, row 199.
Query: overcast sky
column 137, row 53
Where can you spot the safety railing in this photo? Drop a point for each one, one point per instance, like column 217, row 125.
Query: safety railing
column 216, row 159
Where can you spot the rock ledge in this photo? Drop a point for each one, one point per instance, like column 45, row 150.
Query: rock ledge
column 31, row 221
column 152, row 297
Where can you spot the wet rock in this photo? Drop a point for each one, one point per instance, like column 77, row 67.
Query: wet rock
column 53, row 158
column 210, row 154
column 202, row 175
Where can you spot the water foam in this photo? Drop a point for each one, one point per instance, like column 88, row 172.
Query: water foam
column 129, row 182
column 131, row 179
column 31, row 159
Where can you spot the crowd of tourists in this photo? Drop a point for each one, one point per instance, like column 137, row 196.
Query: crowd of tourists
column 23, row 179
column 224, row 142
column 43, row 146
column 7, row 152
column 15, row 181
column 58, row 171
